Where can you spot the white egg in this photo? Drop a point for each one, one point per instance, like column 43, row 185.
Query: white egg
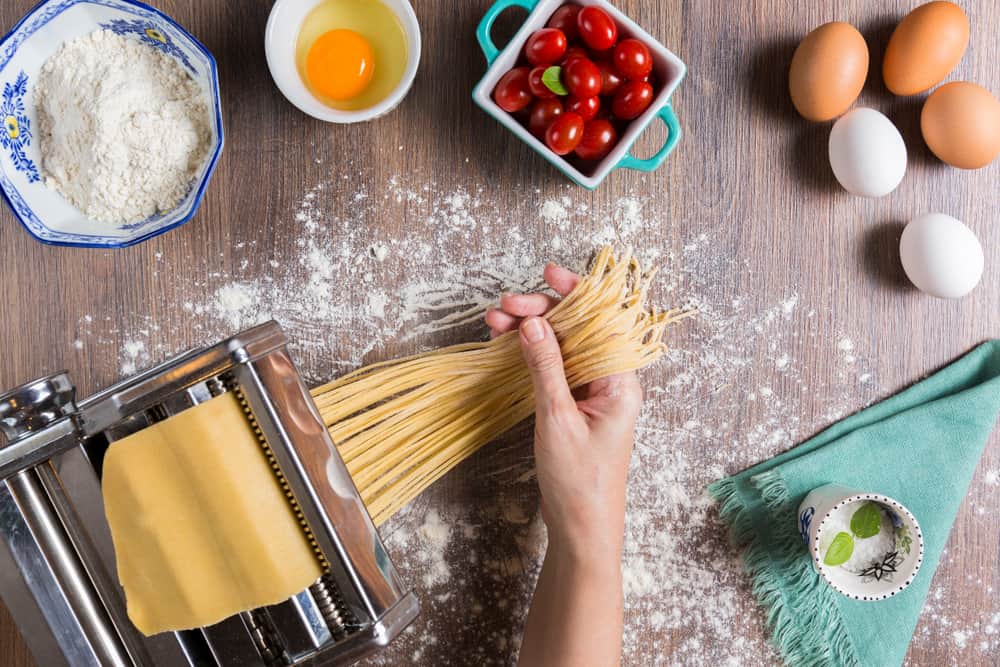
column 867, row 153
column 941, row 256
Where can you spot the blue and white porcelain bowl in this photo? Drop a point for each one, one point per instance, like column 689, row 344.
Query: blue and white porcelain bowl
column 41, row 210
column 874, row 566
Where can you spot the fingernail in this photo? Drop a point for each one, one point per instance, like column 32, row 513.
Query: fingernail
column 533, row 329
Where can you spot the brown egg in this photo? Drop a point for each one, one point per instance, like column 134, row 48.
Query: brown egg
column 828, row 71
column 925, row 46
column 961, row 125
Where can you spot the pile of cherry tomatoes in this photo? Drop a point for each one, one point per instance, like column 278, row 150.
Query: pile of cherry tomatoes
column 580, row 85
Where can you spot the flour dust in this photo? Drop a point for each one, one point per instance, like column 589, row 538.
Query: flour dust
column 733, row 390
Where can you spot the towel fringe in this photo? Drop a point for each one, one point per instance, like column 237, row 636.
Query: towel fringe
column 801, row 610
column 732, row 511
column 772, row 489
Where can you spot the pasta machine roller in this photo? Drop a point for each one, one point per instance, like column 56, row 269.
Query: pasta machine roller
column 57, row 561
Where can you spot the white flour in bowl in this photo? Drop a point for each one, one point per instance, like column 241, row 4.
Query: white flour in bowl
column 124, row 128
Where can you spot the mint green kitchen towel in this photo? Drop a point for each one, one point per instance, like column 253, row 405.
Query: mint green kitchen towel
column 920, row 447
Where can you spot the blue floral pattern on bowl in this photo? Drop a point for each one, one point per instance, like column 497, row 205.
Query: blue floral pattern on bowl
column 150, row 33
column 16, row 134
column 43, row 212
column 804, row 520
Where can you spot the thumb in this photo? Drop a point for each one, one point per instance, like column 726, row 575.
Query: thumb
column 545, row 364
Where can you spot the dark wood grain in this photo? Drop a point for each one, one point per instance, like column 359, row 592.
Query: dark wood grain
column 748, row 170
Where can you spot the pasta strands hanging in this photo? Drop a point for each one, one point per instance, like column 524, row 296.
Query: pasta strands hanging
column 400, row 425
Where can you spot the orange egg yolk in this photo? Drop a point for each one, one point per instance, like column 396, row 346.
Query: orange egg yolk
column 340, row 64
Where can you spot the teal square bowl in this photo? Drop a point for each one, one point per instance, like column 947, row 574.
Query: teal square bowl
column 668, row 68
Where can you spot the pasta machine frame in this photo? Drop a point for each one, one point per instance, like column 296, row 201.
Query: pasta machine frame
column 57, row 562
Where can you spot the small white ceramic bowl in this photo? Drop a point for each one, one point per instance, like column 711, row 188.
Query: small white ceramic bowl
column 281, row 35
column 43, row 212
column 881, row 578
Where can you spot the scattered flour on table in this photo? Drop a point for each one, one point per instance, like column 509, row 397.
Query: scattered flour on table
column 972, row 637
column 846, row 347
column 733, row 390
column 237, row 304
column 123, row 127
column 554, row 212
column 135, row 356
column 434, row 536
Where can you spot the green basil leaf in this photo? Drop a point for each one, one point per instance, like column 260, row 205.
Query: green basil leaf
column 840, row 549
column 867, row 521
column 552, row 78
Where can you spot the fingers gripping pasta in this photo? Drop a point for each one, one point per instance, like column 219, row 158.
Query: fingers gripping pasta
column 400, row 425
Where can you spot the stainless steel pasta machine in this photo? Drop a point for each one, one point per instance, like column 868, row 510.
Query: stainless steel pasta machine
column 57, row 561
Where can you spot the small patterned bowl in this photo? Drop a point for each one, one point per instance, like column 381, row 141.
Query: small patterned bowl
column 668, row 68
column 43, row 211
column 883, row 574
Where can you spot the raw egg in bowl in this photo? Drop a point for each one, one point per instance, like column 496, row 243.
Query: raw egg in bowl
column 343, row 61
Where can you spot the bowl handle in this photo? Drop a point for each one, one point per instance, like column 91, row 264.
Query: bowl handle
column 666, row 114
column 490, row 49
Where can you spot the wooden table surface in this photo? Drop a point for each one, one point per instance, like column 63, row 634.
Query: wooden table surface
column 805, row 313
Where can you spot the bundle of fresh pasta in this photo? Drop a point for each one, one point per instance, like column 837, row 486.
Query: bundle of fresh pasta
column 401, row 425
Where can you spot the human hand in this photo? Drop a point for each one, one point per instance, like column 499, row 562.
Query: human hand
column 582, row 444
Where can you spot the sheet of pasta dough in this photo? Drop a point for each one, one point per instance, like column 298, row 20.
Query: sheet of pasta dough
column 201, row 527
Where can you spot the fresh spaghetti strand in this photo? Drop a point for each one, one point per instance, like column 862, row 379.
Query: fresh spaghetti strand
column 400, row 425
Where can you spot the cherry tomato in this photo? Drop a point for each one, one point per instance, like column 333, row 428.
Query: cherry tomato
column 536, row 86
column 564, row 19
column 545, row 46
column 542, row 114
column 582, row 78
column 610, row 81
column 632, row 99
column 564, row 134
column 597, row 29
column 572, row 53
column 602, row 56
column 633, row 60
column 512, row 92
column 599, row 137
column 587, row 107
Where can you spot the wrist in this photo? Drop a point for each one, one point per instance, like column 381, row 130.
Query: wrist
column 597, row 555
column 587, row 532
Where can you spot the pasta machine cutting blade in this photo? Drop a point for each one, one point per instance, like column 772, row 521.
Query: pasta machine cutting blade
column 57, row 561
